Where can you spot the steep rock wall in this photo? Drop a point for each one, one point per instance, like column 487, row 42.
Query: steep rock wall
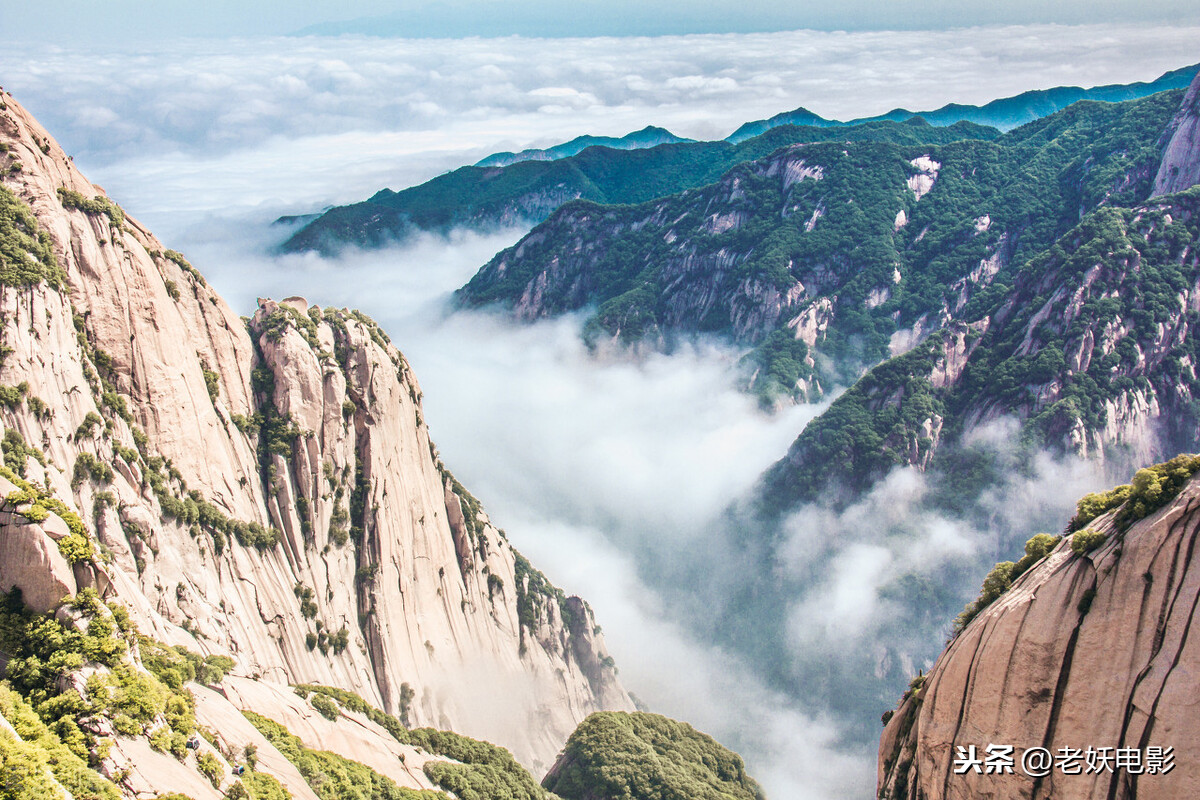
column 1084, row 650
column 270, row 491
column 1180, row 166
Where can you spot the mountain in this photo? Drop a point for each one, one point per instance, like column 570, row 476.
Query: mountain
column 490, row 195
column 529, row 191
column 990, row 306
column 615, row 755
column 1080, row 648
column 1090, row 343
column 1005, row 113
column 649, row 136
column 250, row 505
column 828, row 256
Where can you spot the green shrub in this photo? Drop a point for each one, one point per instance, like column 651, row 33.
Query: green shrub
column 76, row 549
column 1086, row 540
column 308, row 609
column 262, row 786
column 42, row 651
column 71, row 771
column 640, row 756
column 95, row 206
column 340, row 640
column 482, row 763
column 326, row 707
column 26, row 252
column 1093, row 505
column 331, row 776
column 172, row 289
column 40, row 408
column 210, row 768
column 212, row 382
column 1036, row 549
column 88, row 467
column 995, row 584
column 1151, row 489
column 25, row 772
column 177, row 665
column 17, row 453
column 13, row 396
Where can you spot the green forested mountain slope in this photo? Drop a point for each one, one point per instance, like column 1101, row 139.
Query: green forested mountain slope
column 1093, row 345
column 528, row 191
column 640, row 756
column 853, row 249
column 519, row 188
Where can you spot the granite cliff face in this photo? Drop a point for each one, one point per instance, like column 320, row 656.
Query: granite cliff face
column 1181, row 158
column 1089, row 648
column 265, row 490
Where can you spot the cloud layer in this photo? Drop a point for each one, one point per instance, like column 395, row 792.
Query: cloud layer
column 612, row 473
column 296, row 123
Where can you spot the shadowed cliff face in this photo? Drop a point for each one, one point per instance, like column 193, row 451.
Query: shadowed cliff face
column 1180, row 167
column 1086, row 649
column 267, row 489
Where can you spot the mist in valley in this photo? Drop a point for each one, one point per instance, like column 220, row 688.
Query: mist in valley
column 624, row 477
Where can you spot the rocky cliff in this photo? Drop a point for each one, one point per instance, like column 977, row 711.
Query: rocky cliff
column 1180, row 166
column 264, row 489
column 1087, row 649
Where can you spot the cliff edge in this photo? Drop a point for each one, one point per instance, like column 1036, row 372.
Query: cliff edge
column 264, row 490
column 1086, row 655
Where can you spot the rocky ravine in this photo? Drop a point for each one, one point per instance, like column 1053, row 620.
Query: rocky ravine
column 265, row 490
column 1084, row 650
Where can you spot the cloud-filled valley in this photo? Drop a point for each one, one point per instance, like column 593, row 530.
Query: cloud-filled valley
column 616, row 474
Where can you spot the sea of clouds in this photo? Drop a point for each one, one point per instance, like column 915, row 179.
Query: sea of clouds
column 611, row 473
column 295, row 123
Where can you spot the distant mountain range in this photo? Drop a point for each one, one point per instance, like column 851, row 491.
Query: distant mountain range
column 530, row 191
column 648, row 136
column 1006, row 113
column 527, row 187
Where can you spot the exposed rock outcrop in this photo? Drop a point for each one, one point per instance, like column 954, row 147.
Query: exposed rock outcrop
column 265, row 490
column 1088, row 649
column 1180, row 168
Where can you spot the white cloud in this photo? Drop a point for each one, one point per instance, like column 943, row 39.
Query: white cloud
column 333, row 119
column 590, row 464
column 604, row 469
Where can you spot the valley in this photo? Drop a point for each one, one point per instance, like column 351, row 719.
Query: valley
column 772, row 408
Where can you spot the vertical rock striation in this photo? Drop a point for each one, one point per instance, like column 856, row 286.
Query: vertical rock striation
column 1180, row 168
column 267, row 488
column 1088, row 649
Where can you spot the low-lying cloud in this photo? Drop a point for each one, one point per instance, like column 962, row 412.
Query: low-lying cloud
column 614, row 475
column 296, row 123
column 611, row 472
column 597, row 467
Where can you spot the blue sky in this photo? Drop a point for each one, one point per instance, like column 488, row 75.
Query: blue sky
column 73, row 21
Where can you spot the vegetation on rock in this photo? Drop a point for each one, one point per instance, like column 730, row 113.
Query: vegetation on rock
column 331, row 776
column 26, row 254
column 640, row 756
